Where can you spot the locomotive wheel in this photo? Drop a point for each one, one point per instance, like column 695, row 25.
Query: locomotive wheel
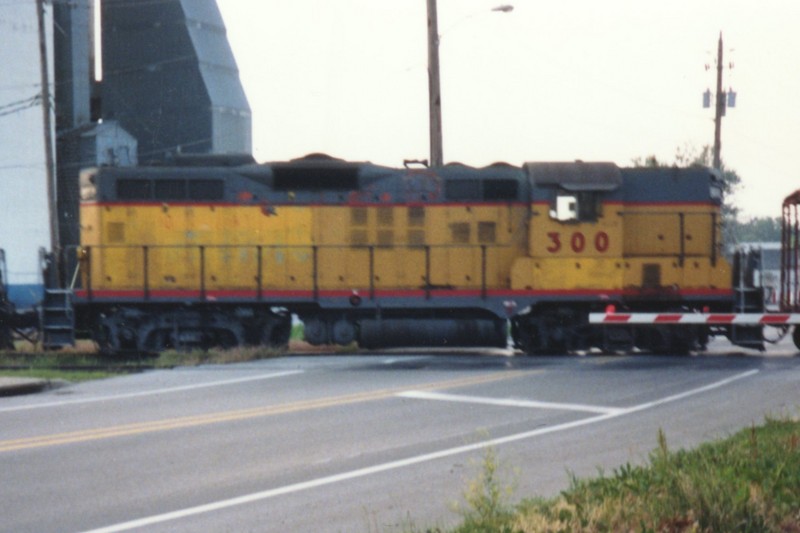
column 536, row 337
column 276, row 332
column 343, row 332
column 553, row 331
column 316, row 331
column 666, row 340
column 102, row 337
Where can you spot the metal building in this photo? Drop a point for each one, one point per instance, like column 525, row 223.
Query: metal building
column 170, row 78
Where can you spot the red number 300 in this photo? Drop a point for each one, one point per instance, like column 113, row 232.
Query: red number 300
column 577, row 242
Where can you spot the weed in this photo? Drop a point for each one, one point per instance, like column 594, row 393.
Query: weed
column 748, row 482
column 485, row 496
column 215, row 356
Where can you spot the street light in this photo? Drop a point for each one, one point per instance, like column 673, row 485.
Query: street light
column 434, row 87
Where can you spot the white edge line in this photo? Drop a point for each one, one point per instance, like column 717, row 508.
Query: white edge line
column 152, row 392
column 423, row 395
column 410, row 461
column 692, row 392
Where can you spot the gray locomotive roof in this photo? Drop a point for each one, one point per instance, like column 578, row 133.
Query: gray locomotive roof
column 576, row 176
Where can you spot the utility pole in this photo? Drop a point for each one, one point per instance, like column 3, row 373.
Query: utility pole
column 723, row 101
column 48, row 130
column 720, row 108
column 434, row 89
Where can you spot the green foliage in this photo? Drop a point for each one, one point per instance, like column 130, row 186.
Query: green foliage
column 486, row 508
column 758, row 229
column 298, row 332
column 749, row 482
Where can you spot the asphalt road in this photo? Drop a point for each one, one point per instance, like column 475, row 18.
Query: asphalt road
column 357, row 443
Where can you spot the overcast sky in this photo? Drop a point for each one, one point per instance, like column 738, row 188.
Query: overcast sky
column 551, row 80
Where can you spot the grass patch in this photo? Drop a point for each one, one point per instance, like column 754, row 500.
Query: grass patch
column 67, row 366
column 298, row 332
column 215, row 356
column 749, row 482
column 74, row 365
column 73, row 376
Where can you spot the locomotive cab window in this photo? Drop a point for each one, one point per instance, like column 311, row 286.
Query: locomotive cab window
column 576, row 207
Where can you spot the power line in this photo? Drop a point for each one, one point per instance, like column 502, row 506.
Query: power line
column 16, row 107
column 20, row 102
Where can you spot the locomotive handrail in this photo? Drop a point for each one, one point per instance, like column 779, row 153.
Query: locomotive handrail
column 145, row 276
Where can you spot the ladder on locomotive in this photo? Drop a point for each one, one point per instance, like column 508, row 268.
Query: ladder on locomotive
column 56, row 312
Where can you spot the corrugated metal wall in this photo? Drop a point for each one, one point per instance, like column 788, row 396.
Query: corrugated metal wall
column 170, row 78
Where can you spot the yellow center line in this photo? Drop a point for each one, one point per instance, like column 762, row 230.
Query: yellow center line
column 243, row 414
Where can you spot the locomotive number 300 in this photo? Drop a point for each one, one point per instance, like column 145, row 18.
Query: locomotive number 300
column 577, row 242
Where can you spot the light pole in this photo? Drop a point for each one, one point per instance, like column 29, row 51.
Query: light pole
column 434, row 86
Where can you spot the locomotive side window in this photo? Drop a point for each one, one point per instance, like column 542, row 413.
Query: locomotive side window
column 170, row 189
column 588, row 206
column 133, row 189
column 576, row 207
column 206, row 190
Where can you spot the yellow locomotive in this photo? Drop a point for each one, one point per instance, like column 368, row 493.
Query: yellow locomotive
column 224, row 254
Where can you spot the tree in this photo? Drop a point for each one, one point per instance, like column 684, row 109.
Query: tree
column 757, row 229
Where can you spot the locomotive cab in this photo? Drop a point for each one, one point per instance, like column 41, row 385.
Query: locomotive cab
column 635, row 238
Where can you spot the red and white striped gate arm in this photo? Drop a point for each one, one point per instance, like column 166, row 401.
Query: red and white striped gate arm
column 707, row 319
